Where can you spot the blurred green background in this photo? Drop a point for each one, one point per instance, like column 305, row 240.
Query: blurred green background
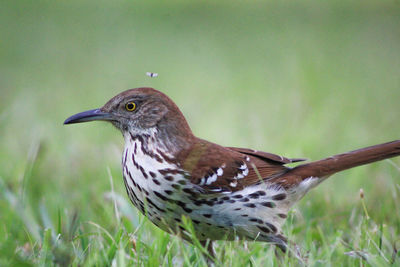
column 300, row 79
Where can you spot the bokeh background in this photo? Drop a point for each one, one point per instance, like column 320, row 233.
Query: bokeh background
column 300, row 79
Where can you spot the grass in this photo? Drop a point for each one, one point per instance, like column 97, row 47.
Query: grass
column 303, row 79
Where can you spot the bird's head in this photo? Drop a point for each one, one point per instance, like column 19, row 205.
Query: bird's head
column 138, row 111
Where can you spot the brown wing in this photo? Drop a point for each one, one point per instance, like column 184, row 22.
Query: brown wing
column 266, row 156
column 214, row 168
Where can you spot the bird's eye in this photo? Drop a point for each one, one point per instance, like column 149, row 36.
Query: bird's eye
column 130, row 106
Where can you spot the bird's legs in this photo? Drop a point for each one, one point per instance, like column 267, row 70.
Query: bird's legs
column 210, row 257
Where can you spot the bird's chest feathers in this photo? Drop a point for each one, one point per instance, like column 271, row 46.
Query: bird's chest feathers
column 150, row 176
column 145, row 160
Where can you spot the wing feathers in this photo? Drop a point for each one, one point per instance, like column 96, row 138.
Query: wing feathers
column 265, row 155
column 215, row 168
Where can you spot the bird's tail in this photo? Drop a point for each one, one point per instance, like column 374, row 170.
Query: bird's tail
column 328, row 166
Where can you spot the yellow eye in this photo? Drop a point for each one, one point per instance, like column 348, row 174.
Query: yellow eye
column 130, row 106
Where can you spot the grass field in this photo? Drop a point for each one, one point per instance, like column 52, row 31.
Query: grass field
column 300, row 79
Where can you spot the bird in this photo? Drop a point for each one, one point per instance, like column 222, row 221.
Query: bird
column 228, row 192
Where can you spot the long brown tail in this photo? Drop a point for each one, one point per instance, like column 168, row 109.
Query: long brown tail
column 328, row 166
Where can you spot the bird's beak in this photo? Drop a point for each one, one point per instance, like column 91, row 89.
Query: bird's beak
column 90, row 115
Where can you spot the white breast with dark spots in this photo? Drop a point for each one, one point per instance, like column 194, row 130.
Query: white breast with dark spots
column 148, row 182
column 256, row 212
column 163, row 193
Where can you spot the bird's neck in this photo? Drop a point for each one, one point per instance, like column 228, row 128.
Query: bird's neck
column 158, row 141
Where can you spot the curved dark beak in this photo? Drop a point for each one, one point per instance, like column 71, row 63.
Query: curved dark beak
column 90, row 115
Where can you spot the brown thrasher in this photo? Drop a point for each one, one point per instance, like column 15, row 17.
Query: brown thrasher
column 226, row 191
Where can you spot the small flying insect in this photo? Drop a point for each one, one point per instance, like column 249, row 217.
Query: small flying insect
column 151, row 74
